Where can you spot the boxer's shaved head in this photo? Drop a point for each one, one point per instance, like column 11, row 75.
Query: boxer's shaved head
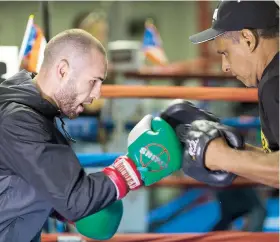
column 71, row 43
column 73, row 70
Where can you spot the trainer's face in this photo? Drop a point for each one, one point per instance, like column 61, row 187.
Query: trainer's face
column 237, row 58
column 83, row 85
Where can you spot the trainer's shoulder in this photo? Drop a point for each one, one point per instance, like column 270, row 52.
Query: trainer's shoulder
column 269, row 84
column 270, row 88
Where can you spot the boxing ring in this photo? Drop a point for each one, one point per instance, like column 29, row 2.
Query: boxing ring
column 169, row 92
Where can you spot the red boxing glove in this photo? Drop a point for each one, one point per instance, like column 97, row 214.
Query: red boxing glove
column 124, row 175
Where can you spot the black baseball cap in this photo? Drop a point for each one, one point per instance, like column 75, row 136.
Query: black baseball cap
column 238, row 15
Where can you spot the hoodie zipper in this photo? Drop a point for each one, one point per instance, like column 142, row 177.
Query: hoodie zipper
column 68, row 136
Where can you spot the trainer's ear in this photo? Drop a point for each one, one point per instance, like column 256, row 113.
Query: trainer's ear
column 249, row 39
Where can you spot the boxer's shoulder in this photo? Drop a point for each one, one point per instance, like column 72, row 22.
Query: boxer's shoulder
column 21, row 121
column 10, row 111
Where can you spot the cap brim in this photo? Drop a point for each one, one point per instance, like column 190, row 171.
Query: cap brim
column 205, row 35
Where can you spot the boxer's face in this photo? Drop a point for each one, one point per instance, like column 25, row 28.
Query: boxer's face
column 82, row 86
column 237, row 58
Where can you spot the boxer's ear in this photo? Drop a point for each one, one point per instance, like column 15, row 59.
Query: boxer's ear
column 63, row 70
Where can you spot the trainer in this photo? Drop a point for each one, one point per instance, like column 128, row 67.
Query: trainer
column 246, row 35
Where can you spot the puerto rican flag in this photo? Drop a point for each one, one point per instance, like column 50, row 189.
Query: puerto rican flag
column 152, row 45
column 32, row 47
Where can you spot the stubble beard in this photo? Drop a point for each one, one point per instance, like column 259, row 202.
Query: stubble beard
column 67, row 100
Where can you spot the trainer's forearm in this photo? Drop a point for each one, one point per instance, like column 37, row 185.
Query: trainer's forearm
column 260, row 167
column 250, row 163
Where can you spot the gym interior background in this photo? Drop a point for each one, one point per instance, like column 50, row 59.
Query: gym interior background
column 103, row 132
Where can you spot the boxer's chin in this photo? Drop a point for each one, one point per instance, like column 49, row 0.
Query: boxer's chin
column 71, row 113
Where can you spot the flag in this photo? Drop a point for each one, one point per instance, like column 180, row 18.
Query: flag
column 32, row 47
column 152, row 45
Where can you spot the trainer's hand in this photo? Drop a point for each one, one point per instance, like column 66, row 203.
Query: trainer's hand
column 184, row 117
column 197, row 138
column 154, row 152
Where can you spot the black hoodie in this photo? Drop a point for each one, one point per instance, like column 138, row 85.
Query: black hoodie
column 39, row 172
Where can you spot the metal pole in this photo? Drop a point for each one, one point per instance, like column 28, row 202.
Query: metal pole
column 46, row 19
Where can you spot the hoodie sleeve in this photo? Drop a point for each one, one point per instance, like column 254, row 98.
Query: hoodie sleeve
column 52, row 169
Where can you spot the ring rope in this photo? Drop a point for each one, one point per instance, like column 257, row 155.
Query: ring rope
column 232, row 236
column 178, row 76
column 187, row 182
column 173, row 92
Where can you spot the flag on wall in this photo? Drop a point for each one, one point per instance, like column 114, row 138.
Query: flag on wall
column 32, row 48
column 152, row 45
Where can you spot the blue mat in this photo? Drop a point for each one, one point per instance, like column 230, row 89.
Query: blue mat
column 203, row 217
